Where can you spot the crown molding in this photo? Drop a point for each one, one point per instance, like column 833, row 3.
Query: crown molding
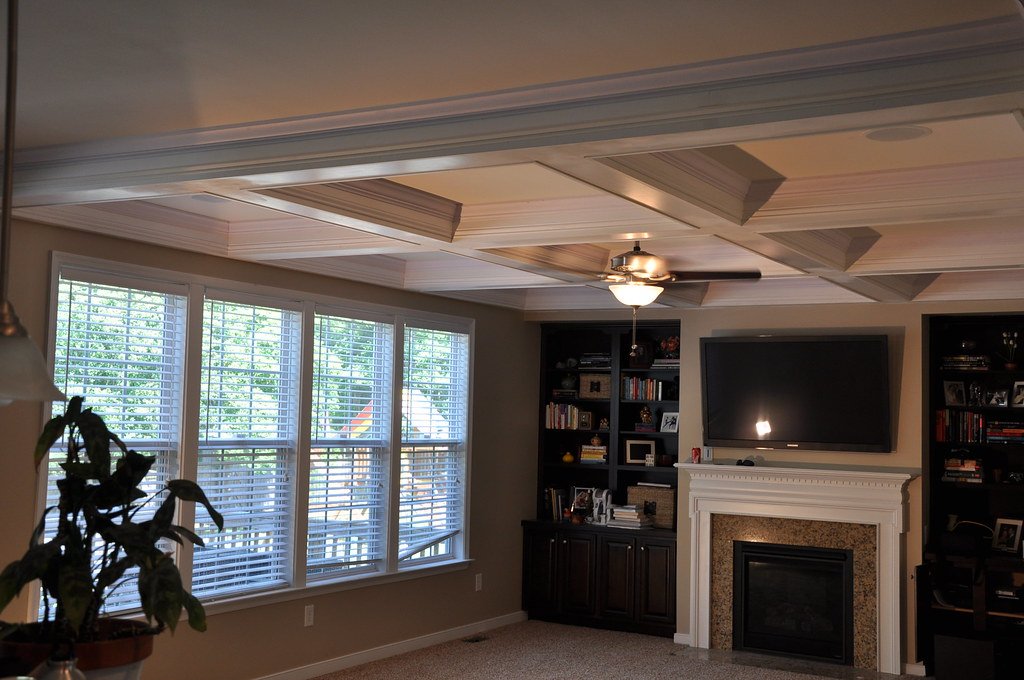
column 950, row 71
column 379, row 270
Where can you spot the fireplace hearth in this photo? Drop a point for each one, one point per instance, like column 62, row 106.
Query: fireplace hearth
column 793, row 600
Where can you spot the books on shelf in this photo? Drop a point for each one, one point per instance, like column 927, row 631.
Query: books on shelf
column 642, row 389
column 957, row 469
column 595, row 360
column 999, row 432
column 555, row 503
column 561, row 417
column 665, row 363
column 959, row 426
column 965, row 362
column 629, row 517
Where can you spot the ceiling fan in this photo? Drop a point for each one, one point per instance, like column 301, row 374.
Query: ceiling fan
column 637, row 277
column 639, row 266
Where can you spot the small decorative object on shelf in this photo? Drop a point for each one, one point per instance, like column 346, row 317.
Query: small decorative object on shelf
column 1010, row 343
column 586, row 421
column 603, row 424
column 567, row 457
column 954, row 390
column 996, row 398
column 670, row 421
column 637, row 451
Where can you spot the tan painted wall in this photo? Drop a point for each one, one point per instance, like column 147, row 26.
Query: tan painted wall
column 255, row 642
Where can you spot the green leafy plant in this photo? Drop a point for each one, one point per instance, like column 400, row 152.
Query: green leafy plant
column 98, row 539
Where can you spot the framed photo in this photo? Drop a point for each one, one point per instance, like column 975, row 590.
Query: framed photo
column 997, row 398
column 582, row 499
column 670, row 422
column 1017, row 398
column 1007, row 535
column 954, row 390
column 586, row 421
column 637, row 450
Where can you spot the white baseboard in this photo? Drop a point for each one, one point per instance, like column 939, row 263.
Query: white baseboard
column 683, row 639
column 384, row 651
column 916, row 669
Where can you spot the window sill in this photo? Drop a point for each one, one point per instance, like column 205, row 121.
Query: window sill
column 318, row 589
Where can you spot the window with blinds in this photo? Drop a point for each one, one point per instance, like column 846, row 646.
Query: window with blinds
column 121, row 343
column 351, row 422
column 248, row 414
column 435, row 392
column 122, row 350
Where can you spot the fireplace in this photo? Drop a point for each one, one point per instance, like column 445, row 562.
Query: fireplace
column 793, row 600
column 862, row 510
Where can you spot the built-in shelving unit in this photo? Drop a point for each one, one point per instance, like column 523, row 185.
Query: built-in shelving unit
column 608, row 420
column 971, row 584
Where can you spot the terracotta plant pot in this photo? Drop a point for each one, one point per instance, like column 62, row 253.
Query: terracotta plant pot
column 127, row 642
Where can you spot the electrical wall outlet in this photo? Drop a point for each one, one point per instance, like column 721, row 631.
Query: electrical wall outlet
column 479, row 582
column 307, row 619
column 707, row 455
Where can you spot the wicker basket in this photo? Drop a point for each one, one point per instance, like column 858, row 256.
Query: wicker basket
column 664, row 501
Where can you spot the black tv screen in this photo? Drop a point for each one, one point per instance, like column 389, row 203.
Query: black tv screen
column 815, row 392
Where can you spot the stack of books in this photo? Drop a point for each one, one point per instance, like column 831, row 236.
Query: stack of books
column 629, row 517
column 998, row 432
column 591, row 454
column 595, row 360
column 967, row 470
column 965, row 362
column 665, row 362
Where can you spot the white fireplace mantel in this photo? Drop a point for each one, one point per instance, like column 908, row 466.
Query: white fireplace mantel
column 826, row 495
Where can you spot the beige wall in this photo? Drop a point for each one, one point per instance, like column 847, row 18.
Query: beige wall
column 258, row 641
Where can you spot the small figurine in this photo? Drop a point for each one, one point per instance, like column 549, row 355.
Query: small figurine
column 603, row 424
column 645, row 415
column 595, row 440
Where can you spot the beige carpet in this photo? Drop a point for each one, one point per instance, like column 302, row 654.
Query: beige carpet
column 535, row 649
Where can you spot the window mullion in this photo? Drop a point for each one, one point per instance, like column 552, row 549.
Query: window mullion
column 393, row 480
column 189, row 463
column 302, row 448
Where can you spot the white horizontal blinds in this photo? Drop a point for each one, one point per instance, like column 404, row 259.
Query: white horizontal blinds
column 351, row 416
column 246, row 447
column 434, row 426
column 122, row 349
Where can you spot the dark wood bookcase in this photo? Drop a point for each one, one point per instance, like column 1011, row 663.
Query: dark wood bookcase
column 593, row 398
column 970, row 589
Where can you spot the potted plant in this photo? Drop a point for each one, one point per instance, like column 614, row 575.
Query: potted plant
column 98, row 538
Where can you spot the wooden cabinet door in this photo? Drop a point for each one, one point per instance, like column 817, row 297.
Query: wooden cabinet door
column 579, row 573
column 540, row 571
column 616, row 593
column 656, row 574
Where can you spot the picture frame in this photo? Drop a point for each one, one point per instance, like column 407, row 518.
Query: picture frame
column 670, row 421
column 582, row 500
column 1017, row 398
column 637, row 451
column 1006, row 537
column 954, row 391
column 586, row 420
column 997, row 397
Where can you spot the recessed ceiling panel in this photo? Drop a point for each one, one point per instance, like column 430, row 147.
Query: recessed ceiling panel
column 952, row 141
column 499, row 184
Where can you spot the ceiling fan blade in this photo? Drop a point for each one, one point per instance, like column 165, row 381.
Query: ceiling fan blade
column 691, row 276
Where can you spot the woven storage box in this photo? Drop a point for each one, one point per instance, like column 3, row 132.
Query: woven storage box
column 595, row 386
column 664, row 501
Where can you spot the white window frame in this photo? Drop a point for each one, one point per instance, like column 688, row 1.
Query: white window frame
column 198, row 288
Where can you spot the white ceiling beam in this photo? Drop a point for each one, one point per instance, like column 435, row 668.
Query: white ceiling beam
column 297, row 237
column 377, row 206
column 973, row 68
column 837, row 248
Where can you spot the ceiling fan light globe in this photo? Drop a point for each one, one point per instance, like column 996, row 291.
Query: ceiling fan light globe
column 635, row 294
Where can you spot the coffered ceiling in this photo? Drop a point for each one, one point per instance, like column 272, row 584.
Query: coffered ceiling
column 504, row 152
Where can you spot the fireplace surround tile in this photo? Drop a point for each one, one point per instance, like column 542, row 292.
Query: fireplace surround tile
column 858, row 538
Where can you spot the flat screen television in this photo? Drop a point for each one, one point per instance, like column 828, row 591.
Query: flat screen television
column 794, row 392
